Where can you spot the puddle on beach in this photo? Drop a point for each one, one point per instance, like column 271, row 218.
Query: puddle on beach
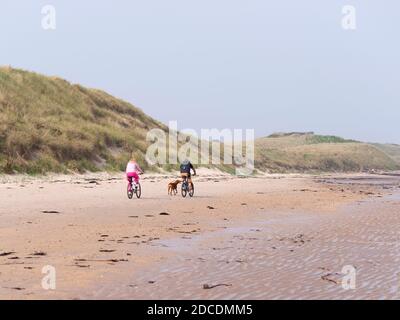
column 265, row 223
column 370, row 180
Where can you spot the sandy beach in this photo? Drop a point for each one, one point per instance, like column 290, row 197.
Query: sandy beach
column 267, row 237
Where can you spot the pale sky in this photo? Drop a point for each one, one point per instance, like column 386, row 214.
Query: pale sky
column 268, row 65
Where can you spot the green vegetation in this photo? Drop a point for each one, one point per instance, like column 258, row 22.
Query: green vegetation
column 306, row 152
column 314, row 139
column 47, row 124
column 392, row 150
column 50, row 125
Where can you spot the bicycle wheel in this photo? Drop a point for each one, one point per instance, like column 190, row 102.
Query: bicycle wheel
column 184, row 190
column 138, row 191
column 129, row 191
column 191, row 191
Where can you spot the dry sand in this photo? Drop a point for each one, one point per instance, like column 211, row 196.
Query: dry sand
column 270, row 237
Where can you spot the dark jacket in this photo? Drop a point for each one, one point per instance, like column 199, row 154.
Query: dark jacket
column 186, row 167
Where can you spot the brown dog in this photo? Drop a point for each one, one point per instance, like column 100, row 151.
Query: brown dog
column 173, row 187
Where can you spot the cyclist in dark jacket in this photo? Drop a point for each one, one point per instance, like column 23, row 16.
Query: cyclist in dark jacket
column 186, row 171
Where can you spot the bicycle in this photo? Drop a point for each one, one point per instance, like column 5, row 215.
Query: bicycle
column 186, row 189
column 134, row 188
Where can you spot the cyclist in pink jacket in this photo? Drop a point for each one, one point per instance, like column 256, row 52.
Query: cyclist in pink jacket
column 133, row 170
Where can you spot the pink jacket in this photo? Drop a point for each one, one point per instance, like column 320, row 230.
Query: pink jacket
column 133, row 167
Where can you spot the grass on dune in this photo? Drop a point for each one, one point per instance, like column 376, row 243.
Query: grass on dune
column 48, row 124
column 309, row 152
column 392, row 150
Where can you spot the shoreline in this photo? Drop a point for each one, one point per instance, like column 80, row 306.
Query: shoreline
column 105, row 175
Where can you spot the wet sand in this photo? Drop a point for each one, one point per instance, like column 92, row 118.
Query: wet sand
column 270, row 237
